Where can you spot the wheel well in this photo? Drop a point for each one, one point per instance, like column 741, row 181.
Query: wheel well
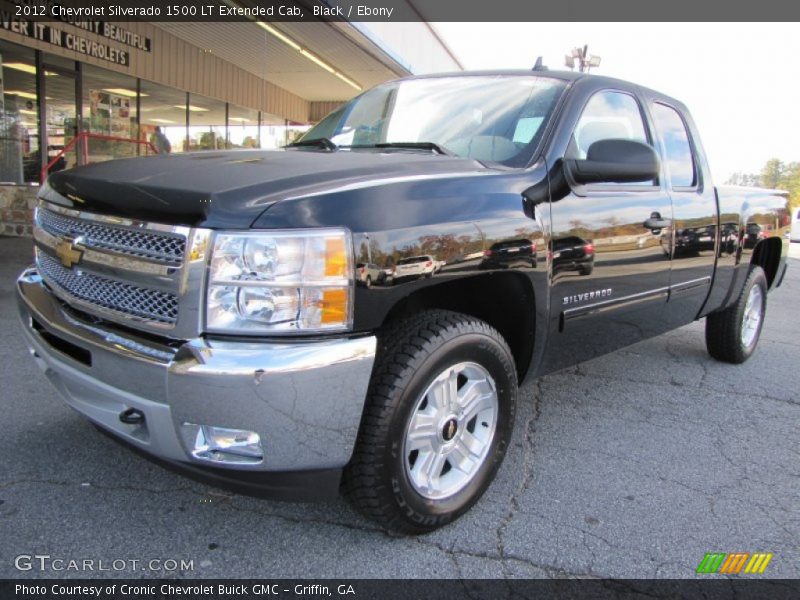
column 503, row 300
column 767, row 255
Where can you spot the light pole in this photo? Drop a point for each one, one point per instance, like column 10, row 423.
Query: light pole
column 580, row 57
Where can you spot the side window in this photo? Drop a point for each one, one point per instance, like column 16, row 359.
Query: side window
column 679, row 159
column 607, row 115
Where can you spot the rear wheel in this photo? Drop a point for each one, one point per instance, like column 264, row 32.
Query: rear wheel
column 732, row 334
column 437, row 422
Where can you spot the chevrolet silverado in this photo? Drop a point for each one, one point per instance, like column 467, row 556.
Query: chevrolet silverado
column 203, row 307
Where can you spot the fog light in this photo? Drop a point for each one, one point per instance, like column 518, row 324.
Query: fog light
column 222, row 445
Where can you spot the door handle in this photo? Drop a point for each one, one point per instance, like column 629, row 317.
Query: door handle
column 656, row 222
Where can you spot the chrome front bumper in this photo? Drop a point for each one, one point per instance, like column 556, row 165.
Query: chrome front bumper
column 303, row 398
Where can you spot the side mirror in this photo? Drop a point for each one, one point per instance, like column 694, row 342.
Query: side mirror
column 615, row 161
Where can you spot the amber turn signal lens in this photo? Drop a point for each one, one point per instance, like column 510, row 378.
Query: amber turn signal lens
column 334, row 306
column 335, row 257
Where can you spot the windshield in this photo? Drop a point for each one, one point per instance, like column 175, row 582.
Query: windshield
column 494, row 119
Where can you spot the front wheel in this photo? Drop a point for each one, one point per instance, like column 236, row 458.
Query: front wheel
column 437, row 422
column 732, row 334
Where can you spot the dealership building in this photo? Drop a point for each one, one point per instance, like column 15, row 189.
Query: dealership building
column 82, row 91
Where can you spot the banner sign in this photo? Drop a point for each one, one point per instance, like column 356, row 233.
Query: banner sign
column 19, row 19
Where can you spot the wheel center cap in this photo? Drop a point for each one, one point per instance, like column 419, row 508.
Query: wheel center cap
column 449, row 430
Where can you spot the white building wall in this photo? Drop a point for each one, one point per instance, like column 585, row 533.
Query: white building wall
column 417, row 46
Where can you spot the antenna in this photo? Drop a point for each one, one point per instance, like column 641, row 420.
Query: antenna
column 580, row 57
column 539, row 66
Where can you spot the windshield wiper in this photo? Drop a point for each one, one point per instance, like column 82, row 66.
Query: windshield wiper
column 432, row 146
column 323, row 143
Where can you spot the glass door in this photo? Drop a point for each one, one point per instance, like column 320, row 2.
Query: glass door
column 60, row 112
column 20, row 161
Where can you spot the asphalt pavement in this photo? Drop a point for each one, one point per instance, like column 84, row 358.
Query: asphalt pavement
column 633, row 465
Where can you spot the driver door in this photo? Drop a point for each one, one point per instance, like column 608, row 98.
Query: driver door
column 609, row 272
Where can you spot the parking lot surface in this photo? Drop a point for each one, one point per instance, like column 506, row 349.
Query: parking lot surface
column 634, row 464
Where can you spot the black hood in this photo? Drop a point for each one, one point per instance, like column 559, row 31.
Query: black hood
column 231, row 189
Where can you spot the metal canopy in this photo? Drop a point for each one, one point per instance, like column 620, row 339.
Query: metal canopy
column 254, row 49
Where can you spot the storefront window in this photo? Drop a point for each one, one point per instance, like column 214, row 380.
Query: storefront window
column 109, row 102
column 276, row 133
column 61, row 112
column 242, row 127
column 19, row 115
column 109, row 109
column 206, row 123
column 162, row 117
column 105, row 102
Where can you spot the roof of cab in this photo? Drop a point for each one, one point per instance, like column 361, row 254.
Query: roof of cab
column 565, row 75
column 568, row 76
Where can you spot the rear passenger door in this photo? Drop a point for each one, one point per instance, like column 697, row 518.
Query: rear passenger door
column 693, row 241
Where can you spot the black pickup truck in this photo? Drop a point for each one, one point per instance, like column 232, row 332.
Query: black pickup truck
column 357, row 310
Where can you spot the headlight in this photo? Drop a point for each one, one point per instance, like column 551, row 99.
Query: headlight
column 280, row 282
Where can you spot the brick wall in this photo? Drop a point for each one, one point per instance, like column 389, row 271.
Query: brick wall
column 16, row 209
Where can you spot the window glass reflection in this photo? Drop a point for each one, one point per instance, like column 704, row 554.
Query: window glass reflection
column 498, row 118
column 680, row 162
column 206, row 123
column 61, row 112
column 109, row 109
column 163, row 113
column 608, row 116
column 276, row 133
column 242, row 127
column 20, row 161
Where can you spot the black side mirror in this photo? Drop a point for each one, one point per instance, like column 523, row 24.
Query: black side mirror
column 615, row 161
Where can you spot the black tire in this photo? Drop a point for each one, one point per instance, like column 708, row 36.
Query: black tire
column 368, row 282
column 724, row 329
column 412, row 352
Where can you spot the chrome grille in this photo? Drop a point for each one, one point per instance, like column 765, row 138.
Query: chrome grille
column 153, row 305
column 153, row 245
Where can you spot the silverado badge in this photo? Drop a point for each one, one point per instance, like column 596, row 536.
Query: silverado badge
column 594, row 294
column 69, row 253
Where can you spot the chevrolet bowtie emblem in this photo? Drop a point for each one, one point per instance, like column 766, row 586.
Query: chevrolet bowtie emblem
column 69, row 253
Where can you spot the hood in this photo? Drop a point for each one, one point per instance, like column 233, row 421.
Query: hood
column 231, row 189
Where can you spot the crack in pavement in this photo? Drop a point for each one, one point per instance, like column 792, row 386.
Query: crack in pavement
column 589, row 375
column 552, row 571
column 451, row 553
column 527, row 467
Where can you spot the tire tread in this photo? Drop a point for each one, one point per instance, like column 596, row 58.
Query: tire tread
column 723, row 328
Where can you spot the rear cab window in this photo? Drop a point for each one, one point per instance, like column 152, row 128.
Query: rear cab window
column 678, row 156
